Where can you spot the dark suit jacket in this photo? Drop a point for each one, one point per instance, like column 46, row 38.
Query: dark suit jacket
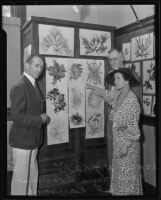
column 26, row 107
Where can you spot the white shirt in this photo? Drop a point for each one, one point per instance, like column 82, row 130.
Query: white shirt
column 31, row 79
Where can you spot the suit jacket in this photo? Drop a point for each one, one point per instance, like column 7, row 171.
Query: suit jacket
column 26, row 108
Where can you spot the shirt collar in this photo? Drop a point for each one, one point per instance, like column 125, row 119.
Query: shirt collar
column 31, row 79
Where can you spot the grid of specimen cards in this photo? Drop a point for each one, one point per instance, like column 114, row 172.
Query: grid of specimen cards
column 56, row 40
column 68, row 103
column 94, row 104
column 94, row 42
column 57, row 100
column 142, row 50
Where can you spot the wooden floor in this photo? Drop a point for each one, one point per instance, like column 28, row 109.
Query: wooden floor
column 88, row 188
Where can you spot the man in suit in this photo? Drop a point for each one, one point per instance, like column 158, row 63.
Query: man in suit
column 27, row 114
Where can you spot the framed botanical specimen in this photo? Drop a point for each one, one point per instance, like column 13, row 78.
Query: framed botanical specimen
column 77, row 107
column 94, row 115
column 57, row 100
column 135, row 66
column 142, row 47
column 126, row 49
column 95, row 72
column 94, row 42
column 94, row 104
column 76, row 72
column 147, row 104
column 149, row 77
column 56, row 40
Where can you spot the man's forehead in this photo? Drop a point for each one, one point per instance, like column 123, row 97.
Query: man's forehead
column 114, row 54
column 36, row 59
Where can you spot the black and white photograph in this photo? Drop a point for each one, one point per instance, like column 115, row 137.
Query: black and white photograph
column 82, row 100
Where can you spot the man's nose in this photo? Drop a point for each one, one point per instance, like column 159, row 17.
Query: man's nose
column 112, row 61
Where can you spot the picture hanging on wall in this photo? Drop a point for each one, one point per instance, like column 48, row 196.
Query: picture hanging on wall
column 95, row 72
column 135, row 66
column 77, row 107
column 76, row 72
column 126, row 49
column 57, row 100
column 94, row 43
column 56, row 40
column 94, row 104
column 149, row 77
column 147, row 104
column 142, row 47
column 153, row 104
column 27, row 52
column 94, row 115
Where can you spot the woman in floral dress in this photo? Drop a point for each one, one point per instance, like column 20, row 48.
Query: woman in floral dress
column 125, row 113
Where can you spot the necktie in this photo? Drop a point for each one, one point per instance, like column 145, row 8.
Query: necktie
column 37, row 88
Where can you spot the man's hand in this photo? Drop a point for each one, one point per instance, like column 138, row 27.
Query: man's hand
column 45, row 118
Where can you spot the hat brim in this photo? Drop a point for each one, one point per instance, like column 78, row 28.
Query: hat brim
column 133, row 78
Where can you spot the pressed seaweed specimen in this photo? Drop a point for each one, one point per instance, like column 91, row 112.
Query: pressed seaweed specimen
column 93, row 100
column 146, row 101
column 143, row 47
column 126, row 52
column 56, row 129
column 95, row 72
column 57, row 71
column 76, row 71
column 76, row 99
column 57, row 100
column 96, row 44
column 76, row 119
column 56, row 43
column 151, row 77
column 95, row 123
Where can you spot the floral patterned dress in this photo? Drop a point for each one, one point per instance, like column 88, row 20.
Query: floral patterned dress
column 126, row 171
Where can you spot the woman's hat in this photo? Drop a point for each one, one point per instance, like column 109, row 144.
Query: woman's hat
column 130, row 75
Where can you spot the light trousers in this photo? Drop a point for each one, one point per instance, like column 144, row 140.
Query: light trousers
column 25, row 173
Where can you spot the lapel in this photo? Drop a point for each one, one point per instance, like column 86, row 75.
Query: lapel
column 33, row 93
